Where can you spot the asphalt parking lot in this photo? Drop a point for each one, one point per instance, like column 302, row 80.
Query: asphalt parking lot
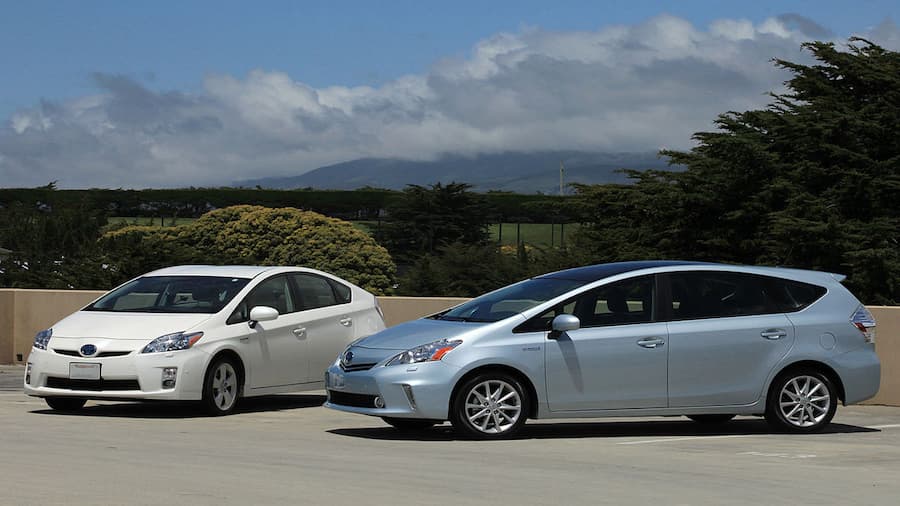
column 288, row 449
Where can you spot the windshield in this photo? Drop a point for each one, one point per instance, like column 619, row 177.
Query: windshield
column 510, row 301
column 171, row 294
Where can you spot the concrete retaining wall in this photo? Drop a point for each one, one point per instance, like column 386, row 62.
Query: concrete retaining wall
column 24, row 312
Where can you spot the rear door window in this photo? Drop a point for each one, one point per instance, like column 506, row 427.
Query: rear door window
column 714, row 294
column 314, row 291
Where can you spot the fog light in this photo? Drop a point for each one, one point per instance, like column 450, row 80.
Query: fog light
column 409, row 396
column 169, row 374
column 379, row 402
column 28, row 373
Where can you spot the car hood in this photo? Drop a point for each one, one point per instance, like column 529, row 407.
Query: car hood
column 124, row 326
column 415, row 333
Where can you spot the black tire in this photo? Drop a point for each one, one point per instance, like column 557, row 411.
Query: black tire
column 711, row 419
column 68, row 404
column 409, row 424
column 486, row 389
column 222, row 387
column 806, row 390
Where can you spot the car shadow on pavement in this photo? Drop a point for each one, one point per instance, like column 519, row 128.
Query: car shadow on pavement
column 171, row 409
column 655, row 428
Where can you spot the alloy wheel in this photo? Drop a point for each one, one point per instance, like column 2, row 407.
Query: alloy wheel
column 224, row 386
column 493, row 406
column 804, row 401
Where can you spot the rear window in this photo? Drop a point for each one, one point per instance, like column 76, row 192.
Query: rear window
column 171, row 294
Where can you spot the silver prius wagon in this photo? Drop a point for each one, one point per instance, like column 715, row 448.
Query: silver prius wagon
column 708, row 341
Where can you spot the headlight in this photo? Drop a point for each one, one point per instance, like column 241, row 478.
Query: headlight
column 42, row 338
column 172, row 342
column 426, row 353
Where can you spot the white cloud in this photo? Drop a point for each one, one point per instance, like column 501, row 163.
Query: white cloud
column 620, row 88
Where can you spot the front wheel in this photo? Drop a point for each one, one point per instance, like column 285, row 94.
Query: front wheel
column 408, row 424
column 221, row 387
column 490, row 406
column 65, row 403
column 803, row 400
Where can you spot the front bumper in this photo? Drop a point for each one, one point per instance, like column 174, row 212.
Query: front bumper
column 405, row 391
column 135, row 376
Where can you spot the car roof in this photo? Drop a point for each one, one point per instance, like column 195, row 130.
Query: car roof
column 601, row 271
column 592, row 273
column 236, row 271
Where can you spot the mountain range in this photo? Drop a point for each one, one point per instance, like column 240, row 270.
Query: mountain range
column 535, row 172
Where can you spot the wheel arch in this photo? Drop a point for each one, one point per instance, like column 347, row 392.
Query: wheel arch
column 238, row 362
column 531, row 391
column 815, row 365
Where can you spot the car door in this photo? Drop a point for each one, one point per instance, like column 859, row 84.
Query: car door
column 276, row 350
column 725, row 337
column 617, row 359
column 327, row 315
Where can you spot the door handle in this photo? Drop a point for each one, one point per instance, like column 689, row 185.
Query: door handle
column 773, row 334
column 346, row 321
column 300, row 332
column 651, row 342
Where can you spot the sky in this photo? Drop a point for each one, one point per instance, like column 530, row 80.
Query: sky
column 203, row 93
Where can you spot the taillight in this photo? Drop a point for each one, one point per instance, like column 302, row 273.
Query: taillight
column 865, row 322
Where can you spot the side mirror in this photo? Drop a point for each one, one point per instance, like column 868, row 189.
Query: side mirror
column 262, row 314
column 563, row 323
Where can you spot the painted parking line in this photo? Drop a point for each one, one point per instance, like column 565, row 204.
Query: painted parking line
column 731, row 436
column 670, row 439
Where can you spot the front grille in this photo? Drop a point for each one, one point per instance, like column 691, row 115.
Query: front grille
column 74, row 353
column 93, row 385
column 357, row 367
column 352, row 400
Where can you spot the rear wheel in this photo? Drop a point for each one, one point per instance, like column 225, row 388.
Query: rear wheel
column 408, row 424
column 802, row 400
column 65, row 403
column 492, row 405
column 711, row 419
column 221, row 387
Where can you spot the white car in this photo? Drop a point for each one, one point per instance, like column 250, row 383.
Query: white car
column 210, row 333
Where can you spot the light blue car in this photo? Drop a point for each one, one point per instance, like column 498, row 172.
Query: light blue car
column 708, row 341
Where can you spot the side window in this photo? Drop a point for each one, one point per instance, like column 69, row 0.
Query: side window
column 314, row 291
column 629, row 301
column 541, row 323
column 341, row 291
column 790, row 296
column 274, row 292
column 622, row 303
column 718, row 294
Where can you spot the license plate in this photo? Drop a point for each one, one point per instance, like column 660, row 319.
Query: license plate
column 82, row 371
column 337, row 380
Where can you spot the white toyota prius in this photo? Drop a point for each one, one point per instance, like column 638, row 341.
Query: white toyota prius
column 210, row 333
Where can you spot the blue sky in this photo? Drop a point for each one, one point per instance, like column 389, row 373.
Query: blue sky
column 57, row 56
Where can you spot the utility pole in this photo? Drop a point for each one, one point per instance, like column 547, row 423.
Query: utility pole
column 562, row 170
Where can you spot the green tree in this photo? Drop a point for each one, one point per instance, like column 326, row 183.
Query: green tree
column 812, row 181
column 424, row 219
column 256, row 235
column 52, row 246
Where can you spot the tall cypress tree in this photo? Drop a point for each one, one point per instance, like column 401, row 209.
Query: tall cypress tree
column 812, row 181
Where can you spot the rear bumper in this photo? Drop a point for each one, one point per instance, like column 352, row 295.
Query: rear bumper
column 860, row 372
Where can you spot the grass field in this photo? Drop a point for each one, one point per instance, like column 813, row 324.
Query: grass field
column 536, row 234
